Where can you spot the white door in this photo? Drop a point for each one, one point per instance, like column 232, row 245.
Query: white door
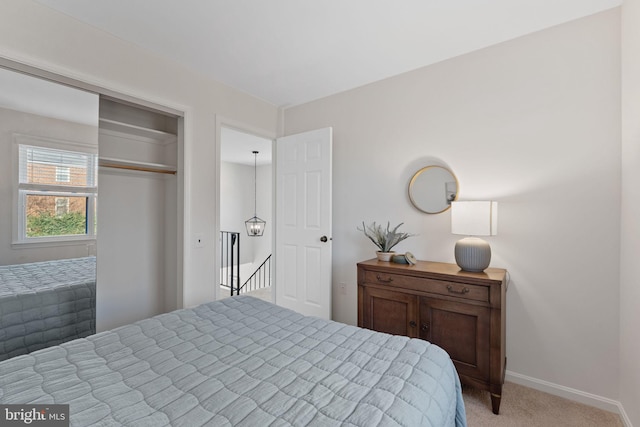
column 303, row 223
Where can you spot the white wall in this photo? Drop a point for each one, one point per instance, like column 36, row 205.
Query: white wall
column 131, row 239
column 630, row 227
column 533, row 123
column 35, row 35
column 11, row 122
column 262, row 246
column 236, row 204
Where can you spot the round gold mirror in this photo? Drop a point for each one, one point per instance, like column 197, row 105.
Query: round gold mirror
column 432, row 189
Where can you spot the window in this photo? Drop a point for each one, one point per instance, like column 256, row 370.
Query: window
column 62, row 206
column 63, row 174
column 56, row 193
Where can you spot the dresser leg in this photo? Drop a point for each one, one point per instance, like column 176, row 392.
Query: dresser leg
column 495, row 402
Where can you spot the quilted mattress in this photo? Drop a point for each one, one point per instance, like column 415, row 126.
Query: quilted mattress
column 46, row 303
column 242, row 362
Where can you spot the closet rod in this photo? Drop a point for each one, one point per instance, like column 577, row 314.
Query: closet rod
column 136, row 168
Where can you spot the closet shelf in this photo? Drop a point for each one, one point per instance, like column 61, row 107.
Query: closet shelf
column 128, row 128
column 109, row 162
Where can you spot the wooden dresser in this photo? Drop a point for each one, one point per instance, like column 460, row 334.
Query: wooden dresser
column 462, row 312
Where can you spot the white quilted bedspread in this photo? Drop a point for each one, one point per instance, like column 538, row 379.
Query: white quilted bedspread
column 243, row 362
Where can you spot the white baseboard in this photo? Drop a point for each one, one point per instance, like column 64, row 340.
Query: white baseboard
column 571, row 394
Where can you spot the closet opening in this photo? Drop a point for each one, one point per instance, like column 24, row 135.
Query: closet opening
column 138, row 212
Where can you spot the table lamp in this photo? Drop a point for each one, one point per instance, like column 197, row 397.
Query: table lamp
column 473, row 218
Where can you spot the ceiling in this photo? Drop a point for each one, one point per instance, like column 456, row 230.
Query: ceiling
column 289, row 52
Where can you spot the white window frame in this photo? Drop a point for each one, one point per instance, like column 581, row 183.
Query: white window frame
column 21, row 191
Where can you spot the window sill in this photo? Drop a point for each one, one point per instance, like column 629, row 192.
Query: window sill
column 52, row 243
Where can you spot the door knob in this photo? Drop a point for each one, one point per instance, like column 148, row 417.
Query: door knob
column 425, row 327
column 413, row 324
column 323, row 239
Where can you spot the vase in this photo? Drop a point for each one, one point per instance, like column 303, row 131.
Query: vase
column 384, row 256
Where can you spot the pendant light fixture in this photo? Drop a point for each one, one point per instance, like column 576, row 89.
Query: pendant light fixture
column 255, row 226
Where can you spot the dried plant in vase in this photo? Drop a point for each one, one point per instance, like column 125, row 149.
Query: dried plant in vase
column 384, row 239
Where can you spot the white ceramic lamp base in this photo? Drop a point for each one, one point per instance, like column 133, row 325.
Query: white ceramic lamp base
column 472, row 254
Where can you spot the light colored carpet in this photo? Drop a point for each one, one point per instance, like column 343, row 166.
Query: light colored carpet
column 263, row 293
column 525, row 407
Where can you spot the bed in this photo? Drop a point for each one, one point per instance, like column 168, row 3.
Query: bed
column 46, row 303
column 240, row 361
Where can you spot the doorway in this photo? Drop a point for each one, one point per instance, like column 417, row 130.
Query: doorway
column 245, row 191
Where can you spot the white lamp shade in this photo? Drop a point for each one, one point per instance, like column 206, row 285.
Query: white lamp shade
column 474, row 218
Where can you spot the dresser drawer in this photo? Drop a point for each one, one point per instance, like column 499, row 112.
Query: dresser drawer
column 441, row 287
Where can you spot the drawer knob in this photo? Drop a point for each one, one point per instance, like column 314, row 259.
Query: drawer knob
column 413, row 324
column 460, row 292
column 387, row 280
column 425, row 327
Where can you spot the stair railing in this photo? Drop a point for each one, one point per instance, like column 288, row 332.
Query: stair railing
column 230, row 261
column 261, row 278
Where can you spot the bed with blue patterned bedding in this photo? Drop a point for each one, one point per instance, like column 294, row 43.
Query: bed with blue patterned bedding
column 240, row 362
column 46, row 303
